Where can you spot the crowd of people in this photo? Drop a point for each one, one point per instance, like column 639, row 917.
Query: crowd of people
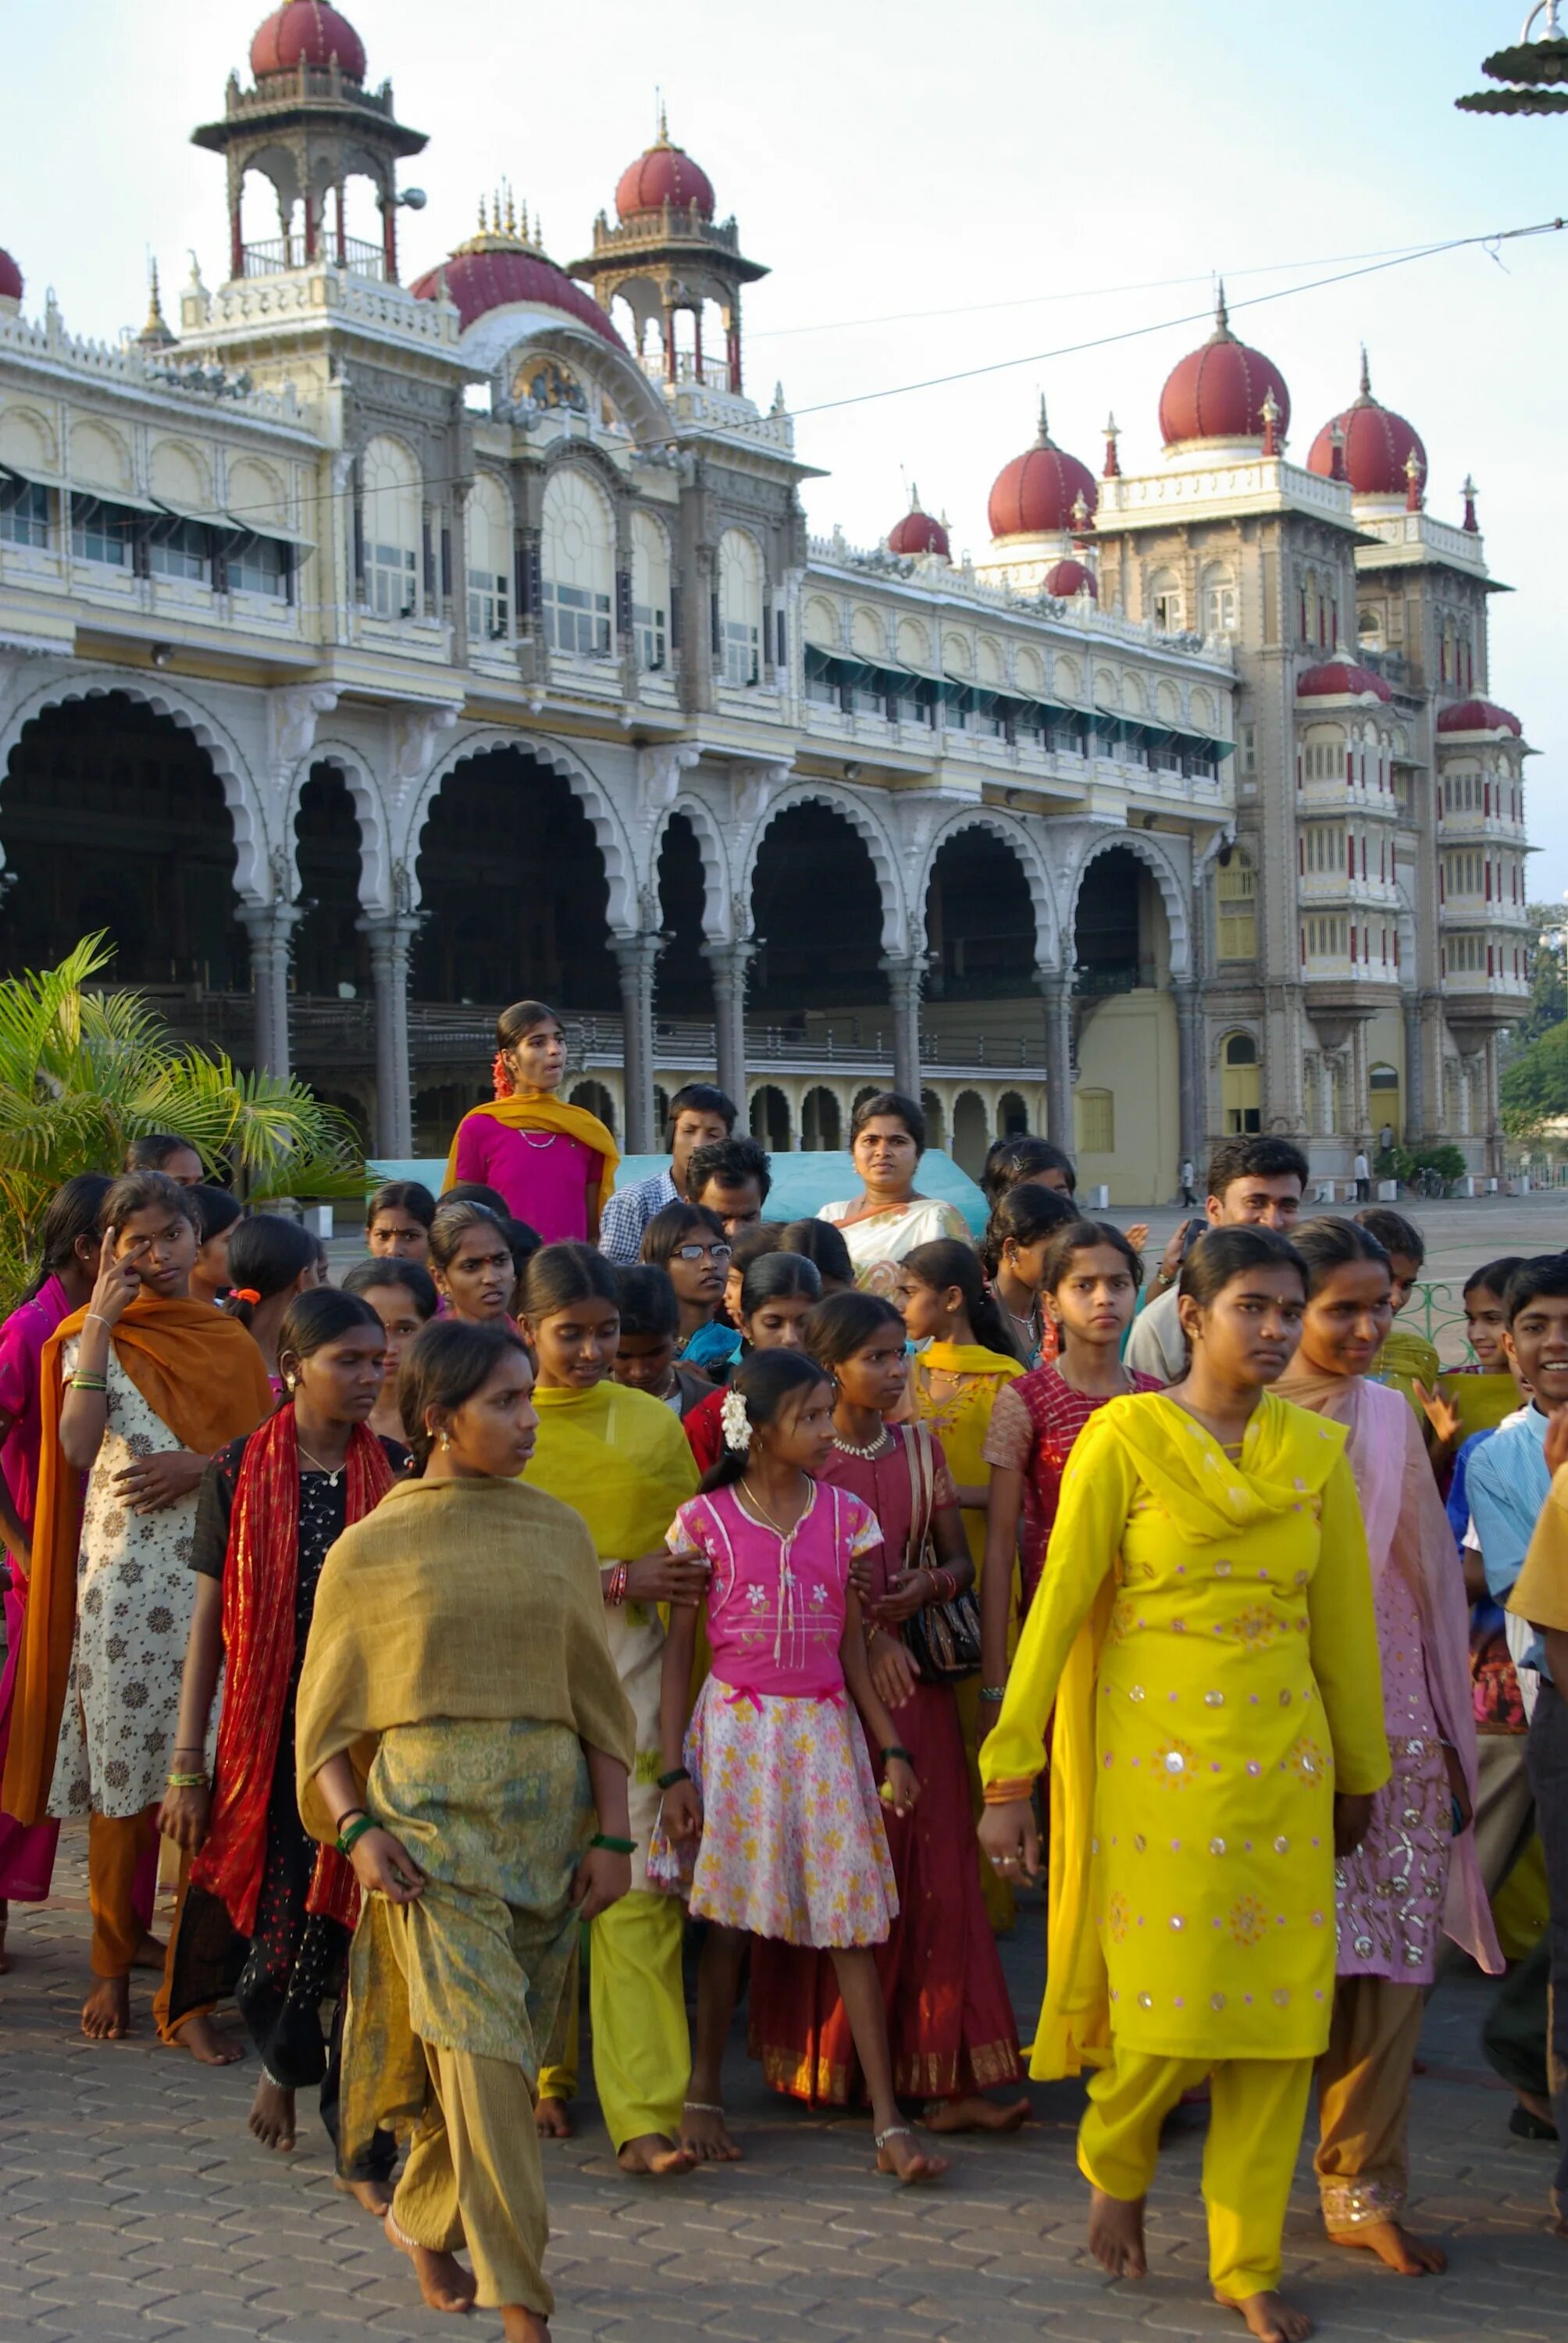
column 612, row 1569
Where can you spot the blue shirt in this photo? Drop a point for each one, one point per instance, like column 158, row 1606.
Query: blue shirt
column 1507, row 1483
column 629, row 1212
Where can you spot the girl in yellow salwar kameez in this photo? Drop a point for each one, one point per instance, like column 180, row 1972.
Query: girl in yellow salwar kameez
column 459, row 1726
column 1204, row 1629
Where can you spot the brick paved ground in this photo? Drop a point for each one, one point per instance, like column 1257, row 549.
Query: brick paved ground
column 133, row 2203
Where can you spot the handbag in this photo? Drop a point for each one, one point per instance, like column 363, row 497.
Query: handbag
column 944, row 1639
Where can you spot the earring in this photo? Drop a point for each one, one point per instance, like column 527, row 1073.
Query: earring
column 289, row 1381
column 446, row 1440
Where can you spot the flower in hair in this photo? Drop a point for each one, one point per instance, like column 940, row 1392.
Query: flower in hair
column 501, row 1075
column 734, row 1424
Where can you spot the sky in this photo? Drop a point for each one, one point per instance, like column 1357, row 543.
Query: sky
column 938, row 189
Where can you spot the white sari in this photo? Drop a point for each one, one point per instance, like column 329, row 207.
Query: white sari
column 879, row 1243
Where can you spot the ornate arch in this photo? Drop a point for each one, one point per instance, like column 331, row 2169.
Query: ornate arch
column 880, row 843
column 494, row 343
column 717, row 892
column 623, row 908
column 1014, row 835
column 256, row 876
column 1172, row 882
column 378, row 886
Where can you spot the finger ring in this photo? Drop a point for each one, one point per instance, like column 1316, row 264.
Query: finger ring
column 997, row 1861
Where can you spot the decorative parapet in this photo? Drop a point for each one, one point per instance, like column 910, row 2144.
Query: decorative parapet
column 134, row 368
column 1417, row 537
column 280, row 303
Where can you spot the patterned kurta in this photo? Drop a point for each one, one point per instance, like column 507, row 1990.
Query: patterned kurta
column 134, row 1594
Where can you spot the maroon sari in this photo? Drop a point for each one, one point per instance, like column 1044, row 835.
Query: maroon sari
column 950, row 2026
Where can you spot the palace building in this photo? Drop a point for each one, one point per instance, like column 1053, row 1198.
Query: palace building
column 374, row 652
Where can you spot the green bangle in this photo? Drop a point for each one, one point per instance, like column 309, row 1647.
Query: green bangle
column 676, row 1773
column 613, row 1845
column 893, row 1751
column 993, row 1692
column 350, row 1839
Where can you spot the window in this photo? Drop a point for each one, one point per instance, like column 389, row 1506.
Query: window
column 578, row 562
column 1326, row 939
column 24, row 512
column 650, row 592
column 1246, row 750
column 1240, row 1095
column 1219, row 602
column 258, row 565
column 1325, row 848
column 392, row 519
column 1236, row 908
column 739, row 608
column 488, row 535
column 101, row 532
column 178, row 549
column 1167, row 603
column 1465, row 955
column 1095, row 1113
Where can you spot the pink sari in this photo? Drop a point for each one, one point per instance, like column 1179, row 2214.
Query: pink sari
column 1407, row 1530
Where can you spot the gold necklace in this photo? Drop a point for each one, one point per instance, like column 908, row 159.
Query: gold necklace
column 332, row 1477
column 783, row 1535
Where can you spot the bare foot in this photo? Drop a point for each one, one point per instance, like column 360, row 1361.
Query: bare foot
column 551, row 2120
column 654, row 2158
column 1394, row 2245
column 520, row 2326
column 106, row 2012
column 1116, row 2234
column 974, row 2114
column 149, row 1953
column 898, row 2156
column 704, row 2131
column 374, row 2196
column 1268, row 2317
column 208, row 2044
column 272, row 2115
column 444, row 2283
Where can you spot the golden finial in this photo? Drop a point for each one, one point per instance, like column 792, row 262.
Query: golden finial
column 482, row 224
column 523, row 213
column 155, row 332
column 511, row 212
column 663, row 137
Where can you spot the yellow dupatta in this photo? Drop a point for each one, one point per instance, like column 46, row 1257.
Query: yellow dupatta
column 962, row 1420
column 616, row 1457
column 546, row 1113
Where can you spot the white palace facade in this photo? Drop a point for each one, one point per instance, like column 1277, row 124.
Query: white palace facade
column 374, row 653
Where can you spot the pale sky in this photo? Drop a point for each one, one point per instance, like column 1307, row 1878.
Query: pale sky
column 977, row 184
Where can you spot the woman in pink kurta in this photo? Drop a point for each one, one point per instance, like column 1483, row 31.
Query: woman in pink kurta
column 554, row 1164
column 1414, row 1875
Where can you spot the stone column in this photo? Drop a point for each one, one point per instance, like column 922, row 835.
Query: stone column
column 905, row 975
column 390, row 936
column 1415, row 1098
column 1491, row 1106
column 637, row 957
column 729, row 963
column 1361, row 1092
column 270, row 927
column 1190, row 1078
column 1056, row 985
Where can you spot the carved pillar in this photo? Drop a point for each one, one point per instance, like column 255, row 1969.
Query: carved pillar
column 729, row 963
column 637, row 958
column 905, row 975
column 1190, row 1078
column 1361, row 1092
column 390, row 936
column 270, row 927
column 1056, row 985
column 1415, row 1098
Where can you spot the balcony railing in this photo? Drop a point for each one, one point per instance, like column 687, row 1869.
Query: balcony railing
column 284, row 252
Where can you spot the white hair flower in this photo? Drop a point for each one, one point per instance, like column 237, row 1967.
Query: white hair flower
column 734, row 1424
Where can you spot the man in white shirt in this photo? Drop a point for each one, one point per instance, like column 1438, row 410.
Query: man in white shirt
column 1252, row 1180
column 1361, row 1173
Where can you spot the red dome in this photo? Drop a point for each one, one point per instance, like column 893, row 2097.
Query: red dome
column 1378, row 445
column 311, row 30
column 666, row 174
column 495, row 279
column 10, row 278
column 1338, row 678
column 1479, row 716
column 919, row 533
column 1035, row 494
column 1066, row 578
column 1218, row 392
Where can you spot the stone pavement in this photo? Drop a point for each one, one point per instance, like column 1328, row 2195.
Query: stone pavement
column 134, row 2204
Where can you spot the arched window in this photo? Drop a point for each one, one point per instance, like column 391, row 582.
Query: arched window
column 1383, row 1082
column 739, row 644
column 577, row 558
column 1218, row 600
column 487, row 525
column 1236, row 908
column 650, row 592
column 393, row 521
column 1167, row 603
column 1240, row 1098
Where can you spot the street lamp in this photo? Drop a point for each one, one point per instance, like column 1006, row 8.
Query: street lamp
column 1532, row 66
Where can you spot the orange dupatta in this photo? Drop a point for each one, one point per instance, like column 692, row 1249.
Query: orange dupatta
column 201, row 1374
column 546, row 1113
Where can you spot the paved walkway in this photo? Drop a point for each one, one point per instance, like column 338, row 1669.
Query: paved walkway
column 133, row 2204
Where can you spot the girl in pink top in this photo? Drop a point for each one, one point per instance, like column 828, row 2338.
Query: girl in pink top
column 771, row 1780
column 553, row 1164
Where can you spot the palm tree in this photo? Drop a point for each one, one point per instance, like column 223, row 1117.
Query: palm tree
column 83, row 1072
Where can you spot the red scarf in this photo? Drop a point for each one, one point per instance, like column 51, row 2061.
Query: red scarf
column 261, row 1575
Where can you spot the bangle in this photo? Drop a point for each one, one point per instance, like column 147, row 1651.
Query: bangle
column 944, row 1586
column 187, row 1781
column 98, row 1314
column 80, row 1382
column 892, row 1750
column 993, row 1692
column 1008, row 1793
column 676, row 1773
column 350, row 1839
column 613, row 1845
column 615, row 1593
column 348, row 1817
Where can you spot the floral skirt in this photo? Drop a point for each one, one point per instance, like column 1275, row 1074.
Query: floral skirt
column 792, row 1840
